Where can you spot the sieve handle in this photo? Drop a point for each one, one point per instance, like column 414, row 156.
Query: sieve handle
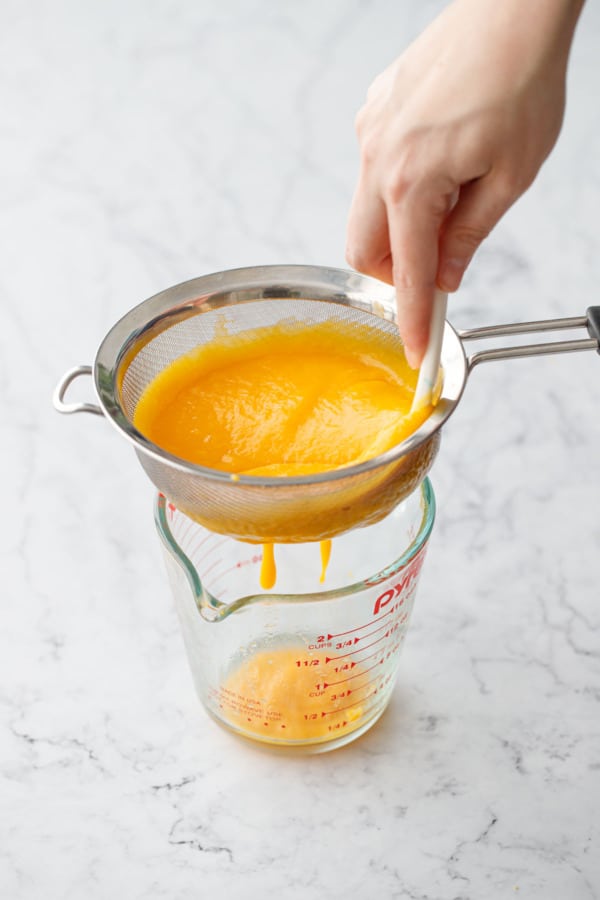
column 58, row 397
column 591, row 321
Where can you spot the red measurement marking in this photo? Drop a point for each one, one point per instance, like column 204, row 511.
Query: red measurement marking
column 222, row 575
column 331, row 712
column 371, row 655
column 216, row 563
column 345, row 667
column 349, row 643
column 388, row 612
column 237, row 565
column 327, row 684
column 359, row 649
column 375, row 630
column 210, row 550
column 342, row 695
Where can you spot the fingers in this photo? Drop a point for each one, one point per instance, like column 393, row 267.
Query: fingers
column 396, row 240
column 423, row 240
column 367, row 233
column 414, row 235
column 373, row 229
column 480, row 206
column 368, row 242
column 433, row 239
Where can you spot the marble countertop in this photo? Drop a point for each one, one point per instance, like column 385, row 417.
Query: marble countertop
column 145, row 144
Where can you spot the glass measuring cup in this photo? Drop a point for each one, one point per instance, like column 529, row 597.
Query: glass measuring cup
column 307, row 665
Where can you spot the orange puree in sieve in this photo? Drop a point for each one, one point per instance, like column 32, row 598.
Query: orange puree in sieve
column 282, row 401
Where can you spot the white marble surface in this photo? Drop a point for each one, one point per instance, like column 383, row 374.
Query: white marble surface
column 146, row 143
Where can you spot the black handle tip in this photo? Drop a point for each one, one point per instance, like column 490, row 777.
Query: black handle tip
column 593, row 322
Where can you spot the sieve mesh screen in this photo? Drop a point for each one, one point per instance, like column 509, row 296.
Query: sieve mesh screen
column 191, row 315
column 177, row 338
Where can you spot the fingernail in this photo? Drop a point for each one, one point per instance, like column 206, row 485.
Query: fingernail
column 451, row 273
column 412, row 358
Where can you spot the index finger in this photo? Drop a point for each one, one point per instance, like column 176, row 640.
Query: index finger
column 414, row 227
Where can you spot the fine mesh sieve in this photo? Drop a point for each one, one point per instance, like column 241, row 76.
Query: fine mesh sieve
column 295, row 509
column 280, row 511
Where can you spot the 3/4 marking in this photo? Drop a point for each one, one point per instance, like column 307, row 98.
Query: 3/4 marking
column 359, row 649
column 330, row 712
column 329, row 637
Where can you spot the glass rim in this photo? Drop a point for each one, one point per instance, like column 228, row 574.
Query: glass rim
column 221, row 609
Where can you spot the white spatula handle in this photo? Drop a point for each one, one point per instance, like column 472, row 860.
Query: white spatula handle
column 428, row 373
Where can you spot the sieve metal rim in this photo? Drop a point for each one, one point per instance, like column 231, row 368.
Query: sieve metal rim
column 268, row 282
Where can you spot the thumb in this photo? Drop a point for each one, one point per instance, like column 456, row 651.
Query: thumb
column 480, row 206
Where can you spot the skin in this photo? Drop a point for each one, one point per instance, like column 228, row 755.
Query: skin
column 451, row 134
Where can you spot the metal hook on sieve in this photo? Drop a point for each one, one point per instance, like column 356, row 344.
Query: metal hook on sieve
column 58, row 397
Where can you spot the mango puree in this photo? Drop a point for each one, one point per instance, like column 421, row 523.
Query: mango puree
column 282, row 401
column 275, row 695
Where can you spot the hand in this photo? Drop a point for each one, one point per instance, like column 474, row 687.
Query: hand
column 452, row 133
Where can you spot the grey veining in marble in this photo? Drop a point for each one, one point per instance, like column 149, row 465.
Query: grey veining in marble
column 146, row 143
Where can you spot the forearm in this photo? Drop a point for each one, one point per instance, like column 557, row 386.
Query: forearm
column 516, row 32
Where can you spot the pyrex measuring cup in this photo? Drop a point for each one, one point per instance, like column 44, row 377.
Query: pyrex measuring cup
column 309, row 666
